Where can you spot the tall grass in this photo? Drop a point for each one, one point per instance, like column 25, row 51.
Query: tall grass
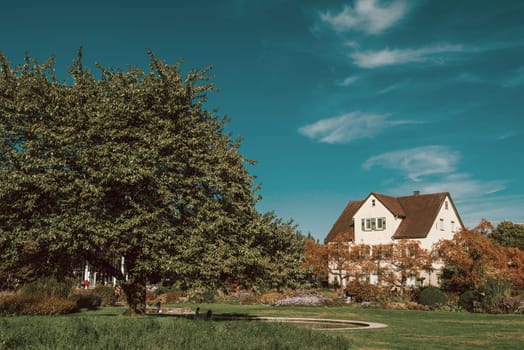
column 105, row 329
column 118, row 332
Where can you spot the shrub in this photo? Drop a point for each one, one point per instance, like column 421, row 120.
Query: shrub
column 48, row 287
column 21, row 304
column 360, row 292
column 495, row 290
column 510, row 304
column 269, row 298
column 468, row 299
column 86, row 300
column 106, row 295
column 432, row 297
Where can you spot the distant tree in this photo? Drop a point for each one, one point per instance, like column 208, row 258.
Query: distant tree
column 471, row 258
column 274, row 257
column 381, row 256
column 409, row 259
column 128, row 164
column 509, row 234
column 339, row 258
column 315, row 257
column 361, row 264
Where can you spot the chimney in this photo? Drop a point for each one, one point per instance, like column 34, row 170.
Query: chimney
column 416, row 193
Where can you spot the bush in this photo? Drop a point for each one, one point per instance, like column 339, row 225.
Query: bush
column 468, row 300
column 106, row 295
column 86, row 300
column 495, row 290
column 360, row 292
column 48, row 287
column 432, row 297
column 510, row 304
column 20, row 304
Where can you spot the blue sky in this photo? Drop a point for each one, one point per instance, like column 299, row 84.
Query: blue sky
column 334, row 99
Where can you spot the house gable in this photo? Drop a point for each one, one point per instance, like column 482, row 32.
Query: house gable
column 377, row 219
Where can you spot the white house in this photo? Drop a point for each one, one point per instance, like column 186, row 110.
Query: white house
column 381, row 219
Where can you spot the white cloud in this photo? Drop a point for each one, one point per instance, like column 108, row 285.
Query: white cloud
column 353, row 44
column 460, row 185
column 417, row 162
column 433, row 169
column 348, row 81
column 492, row 208
column 366, row 15
column 387, row 57
column 348, row 127
column 516, row 80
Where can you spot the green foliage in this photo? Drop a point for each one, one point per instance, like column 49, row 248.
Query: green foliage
column 87, row 300
column 106, row 295
column 468, row 300
column 509, row 234
column 494, row 292
column 130, row 165
column 20, row 304
column 432, row 297
column 48, row 287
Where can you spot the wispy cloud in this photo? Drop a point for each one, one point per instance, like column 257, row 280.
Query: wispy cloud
column 517, row 79
column 349, row 127
column 432, row 169
column 417, row 162
column 368, row 16
column 389, row 57
column 348, row 81
column 461, row 185
column 493, row 208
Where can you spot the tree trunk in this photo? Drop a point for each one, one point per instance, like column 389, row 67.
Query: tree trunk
column 135, row 292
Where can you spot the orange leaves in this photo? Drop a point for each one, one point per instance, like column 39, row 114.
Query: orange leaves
column 471, row 258
column 316, row 257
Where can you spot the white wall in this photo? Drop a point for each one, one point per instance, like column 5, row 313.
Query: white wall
column 367, row 210
column 436, row 233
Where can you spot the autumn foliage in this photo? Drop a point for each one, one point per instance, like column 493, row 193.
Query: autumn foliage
column 466, row 262
column 471, row 258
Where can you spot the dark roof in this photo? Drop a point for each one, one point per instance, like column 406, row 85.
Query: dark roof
column 423, row 210
column 344, row 224
column 418, row 212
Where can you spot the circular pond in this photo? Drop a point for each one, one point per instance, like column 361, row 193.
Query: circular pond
column 319, row 324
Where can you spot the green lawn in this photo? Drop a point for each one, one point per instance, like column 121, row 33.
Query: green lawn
column 105, row 328
column 409, row 329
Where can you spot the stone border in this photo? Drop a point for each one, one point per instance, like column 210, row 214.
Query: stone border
column 355, row 324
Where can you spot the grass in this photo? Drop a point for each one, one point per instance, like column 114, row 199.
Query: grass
column 107, row 329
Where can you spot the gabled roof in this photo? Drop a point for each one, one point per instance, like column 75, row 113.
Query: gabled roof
column 423, row 210
column 344, row 225
column 418, row 213
column 392, row 203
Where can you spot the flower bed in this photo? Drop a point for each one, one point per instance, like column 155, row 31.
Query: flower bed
column 302, row 301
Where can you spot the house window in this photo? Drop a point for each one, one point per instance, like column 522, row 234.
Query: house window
column 381, row 223
column 373, row 279
column 372, row 224
column 452, row 226
column 440, row 224
column 372, row 202
column 446, row 205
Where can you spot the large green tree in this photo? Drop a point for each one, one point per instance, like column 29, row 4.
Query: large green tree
column 509, row 234
column 123, row 164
